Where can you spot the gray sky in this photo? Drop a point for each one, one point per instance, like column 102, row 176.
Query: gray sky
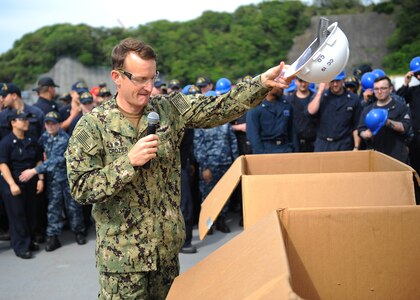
column 18, row 17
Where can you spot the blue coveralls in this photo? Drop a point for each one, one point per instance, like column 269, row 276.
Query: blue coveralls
column 19, row 155
column 270, row 129
column 58, row 188
column 215, row 149
column 337, row 118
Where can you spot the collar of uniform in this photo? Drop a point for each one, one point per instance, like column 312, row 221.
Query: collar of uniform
column 118, row 123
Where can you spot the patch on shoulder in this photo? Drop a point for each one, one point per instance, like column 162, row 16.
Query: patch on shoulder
column 86, row 140
column 181, row 103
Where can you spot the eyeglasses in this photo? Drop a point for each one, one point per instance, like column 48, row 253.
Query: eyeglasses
column 382, row 89
column 21, row 119
column 139, row 80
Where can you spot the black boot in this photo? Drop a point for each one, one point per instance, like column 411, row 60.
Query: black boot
column 33, row 246
column 52, row 243
column 221, row 225
column 24, row 254
column 80, row 238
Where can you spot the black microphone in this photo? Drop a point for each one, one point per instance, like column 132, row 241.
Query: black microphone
column 152, row 123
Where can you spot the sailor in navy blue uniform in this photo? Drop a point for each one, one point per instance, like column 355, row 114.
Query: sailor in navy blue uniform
column 13, row 100
column 337, row 113
column 19, row 152
column 269, row 126
column 393, row 138
column 46, row 95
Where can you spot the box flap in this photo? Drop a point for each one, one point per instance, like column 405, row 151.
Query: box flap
column 265, row 193
column 383, row 162
column 339, row 176
column 253, row 265
column 353, row 253
column 220, row 194
column 302, row 163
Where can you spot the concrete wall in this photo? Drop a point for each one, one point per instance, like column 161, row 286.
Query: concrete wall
column 68, row 71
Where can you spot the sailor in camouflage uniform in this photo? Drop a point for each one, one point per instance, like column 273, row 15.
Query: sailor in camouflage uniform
column 139, row 224
column 215, row 149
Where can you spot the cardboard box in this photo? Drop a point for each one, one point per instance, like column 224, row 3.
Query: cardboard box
column 314, row 253
column 321, row 179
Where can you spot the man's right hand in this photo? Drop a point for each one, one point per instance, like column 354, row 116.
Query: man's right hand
column 407, row 77
column 15, row 190
column 366, row 134
column 144, row 150
column 207, row 175
column 367, row 94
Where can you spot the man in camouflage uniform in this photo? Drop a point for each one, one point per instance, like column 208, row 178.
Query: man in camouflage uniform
column 139, row 224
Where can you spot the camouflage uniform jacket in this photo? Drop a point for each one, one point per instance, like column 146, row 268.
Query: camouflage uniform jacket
column 137, row 211
column 54, row 148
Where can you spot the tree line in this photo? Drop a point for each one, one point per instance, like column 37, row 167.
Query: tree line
column 214, row 44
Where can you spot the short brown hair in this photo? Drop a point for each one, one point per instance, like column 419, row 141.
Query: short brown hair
column 121, row 50
column 383, row 78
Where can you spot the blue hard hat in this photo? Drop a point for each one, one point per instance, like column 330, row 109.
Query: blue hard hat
column 185, row 89
column 223, row 85
column 211, row 94
column 340, row 76
column 376, row 119
column 378, row 72
column 415, row 64
column 312, row 87
column 367, row 80
column 291, row 88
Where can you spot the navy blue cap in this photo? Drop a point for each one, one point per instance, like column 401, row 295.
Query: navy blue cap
column 9, row 88
column 104, row 92
column 193, row 90
column 47, row 81
column 15, row 114
column 159, row 83
column 3, row 87
column 79, row 87
column 52, row 116
column 66, row 97
column 174, row 84
column 202, row 81
column 86, row 98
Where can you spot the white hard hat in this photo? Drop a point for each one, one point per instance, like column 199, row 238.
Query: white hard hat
column 324, row 63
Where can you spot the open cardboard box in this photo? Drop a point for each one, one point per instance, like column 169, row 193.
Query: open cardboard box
column 321, row 179
column 314, row 253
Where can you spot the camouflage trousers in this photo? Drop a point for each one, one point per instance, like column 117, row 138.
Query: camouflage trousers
column 59, row 197
column 151, row 285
